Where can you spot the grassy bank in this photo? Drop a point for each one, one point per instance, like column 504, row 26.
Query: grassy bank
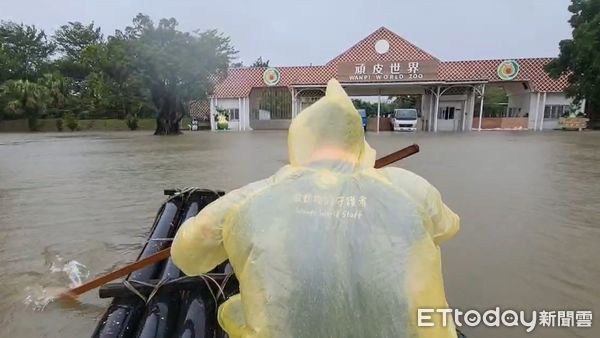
column 49, row 125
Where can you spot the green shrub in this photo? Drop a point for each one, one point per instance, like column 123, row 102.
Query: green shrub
column 71, row 121
column 90, row 124
column 132, row 121
column 59, row 124
column 33, row 123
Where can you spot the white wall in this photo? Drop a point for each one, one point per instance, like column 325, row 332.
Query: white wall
column 427, row 106
column 554, row 99
column 534, row 104
column 551, row 99
column 557, row 98
column 453, row 98
column 228, row 103
column 522, row 101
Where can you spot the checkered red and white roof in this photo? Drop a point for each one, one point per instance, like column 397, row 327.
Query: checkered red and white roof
column 240, row 81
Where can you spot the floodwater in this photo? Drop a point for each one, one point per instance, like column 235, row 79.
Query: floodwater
column 529, row 203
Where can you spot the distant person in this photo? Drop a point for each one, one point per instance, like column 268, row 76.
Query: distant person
column 328, row 247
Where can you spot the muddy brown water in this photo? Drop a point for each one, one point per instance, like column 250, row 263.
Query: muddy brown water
column 529, row 203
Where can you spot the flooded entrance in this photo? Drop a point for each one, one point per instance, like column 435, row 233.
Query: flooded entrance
column 528, row 202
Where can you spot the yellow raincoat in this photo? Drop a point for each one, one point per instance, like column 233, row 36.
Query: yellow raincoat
column 328, row 247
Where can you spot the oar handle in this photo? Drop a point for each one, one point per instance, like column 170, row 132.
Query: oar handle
column 397, row 156
column 96, row 282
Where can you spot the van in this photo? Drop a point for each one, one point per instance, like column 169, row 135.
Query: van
column 405, row 119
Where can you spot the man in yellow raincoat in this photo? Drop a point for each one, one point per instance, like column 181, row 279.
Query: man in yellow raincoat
column 328, row 247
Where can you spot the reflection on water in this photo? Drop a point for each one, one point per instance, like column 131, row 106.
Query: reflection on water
column 528, row 202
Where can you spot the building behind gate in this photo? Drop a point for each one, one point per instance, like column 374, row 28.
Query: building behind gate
column 384, row 64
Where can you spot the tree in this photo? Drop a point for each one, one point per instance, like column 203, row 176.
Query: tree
column 405, row 101
column 146, row 70
column 95, row 98
column 176, row 67
column 122, row 85
column 24, row 51
column 73, row 38
column 369, row 107
column 495, row 102
column 579, row 57
column 260, row 63
column 72, row 41
column 25, row 98
column 57, row 90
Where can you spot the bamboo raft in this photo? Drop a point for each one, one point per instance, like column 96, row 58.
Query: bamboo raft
column 158, row 300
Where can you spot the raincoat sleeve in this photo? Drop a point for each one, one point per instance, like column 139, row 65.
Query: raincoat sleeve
column 441, row 222
column 198, row 244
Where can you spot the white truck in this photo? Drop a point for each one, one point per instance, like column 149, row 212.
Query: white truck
column 405, row 119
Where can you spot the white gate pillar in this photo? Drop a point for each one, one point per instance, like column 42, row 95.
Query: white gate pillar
column 481, row 106
column 437, row 107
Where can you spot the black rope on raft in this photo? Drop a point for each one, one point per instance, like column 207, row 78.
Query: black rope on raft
column 189, row 191
column 185, row 194
column 129, row 284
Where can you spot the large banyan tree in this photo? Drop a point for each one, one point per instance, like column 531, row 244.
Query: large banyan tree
column 175, row 67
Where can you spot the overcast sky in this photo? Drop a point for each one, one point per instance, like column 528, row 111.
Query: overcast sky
column 303, row 32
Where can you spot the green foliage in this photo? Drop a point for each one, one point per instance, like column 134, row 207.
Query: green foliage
column 278, row 101
column 175, row 67
column 132, row 122
column 59, row 124
column 495, row 102
column 24, row 51
column 73, row 38
column 57, row 91
column 146, row 70
column 260, row 63
column 401, row 102
column 579, row 57
column 574, row 110
column 71, row 121
column 73, row 42
column 26, row 99
column 369, row 107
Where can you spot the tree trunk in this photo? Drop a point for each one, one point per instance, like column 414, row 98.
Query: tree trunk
column 167, row 124
column 592, row 110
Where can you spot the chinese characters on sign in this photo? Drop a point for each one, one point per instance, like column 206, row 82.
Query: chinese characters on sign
column 329, row 206
column 388, row 71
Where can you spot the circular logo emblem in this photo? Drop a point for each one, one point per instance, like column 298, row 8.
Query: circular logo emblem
column 271, row 76
column 508, row 70
column 382, row 46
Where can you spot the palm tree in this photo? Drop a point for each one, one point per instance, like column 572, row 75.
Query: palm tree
column 25, row 98
column 57, row 90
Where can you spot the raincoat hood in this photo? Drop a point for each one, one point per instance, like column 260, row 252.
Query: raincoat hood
column 331, row 128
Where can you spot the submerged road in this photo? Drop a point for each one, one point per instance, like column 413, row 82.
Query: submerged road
column 529, row 204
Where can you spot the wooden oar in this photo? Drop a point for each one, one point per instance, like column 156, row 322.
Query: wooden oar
column 397, row 156
column 165, row 253
column 109, row 277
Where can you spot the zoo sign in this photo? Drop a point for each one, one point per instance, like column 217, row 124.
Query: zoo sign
column 271, row 76
column 388, row 71
column 508, row 70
